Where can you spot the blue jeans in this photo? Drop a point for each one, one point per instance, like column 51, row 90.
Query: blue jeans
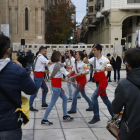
column 40, row 83
column 96, row 105
column 74, row 102
column 29, row 65
column 70, row 90
column 118, row 70
column 11, row 135
column 56, row 93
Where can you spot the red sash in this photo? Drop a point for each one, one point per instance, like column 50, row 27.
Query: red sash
column 101, row 78
column 56, row 82
column 72, row 74
column 39, row 74
column 81, row 80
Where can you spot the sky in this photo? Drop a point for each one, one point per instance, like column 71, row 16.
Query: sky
column 80, row 9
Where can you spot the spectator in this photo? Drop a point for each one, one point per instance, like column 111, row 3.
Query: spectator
column 23, row 61
column 116, row 64
column 109, row 72
column 85, row 54
column 30, row 57
column 74, row 54
column 19, row 53
column 13, row 80
column 62, row 57
column 127, row 94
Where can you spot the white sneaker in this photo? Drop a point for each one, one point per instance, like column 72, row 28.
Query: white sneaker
column 69, row 100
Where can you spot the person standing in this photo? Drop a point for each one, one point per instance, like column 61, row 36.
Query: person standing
column 73, row 80
column 81, row 70
column 127, row 96
column 13, row 80
column 30, row 58
column 85, row 54
column 109, row 72
column 116, row 64
column 102, row 64
column 57, row 70
column 40, row 62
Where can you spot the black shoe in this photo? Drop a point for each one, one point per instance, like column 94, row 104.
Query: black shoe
column 89, row 109
column 46, row 122
column 94, row 120
column 71, row 112
column 44, row 105
column 78, row 97
column 109, row 81
column 67, row 118
column 32, row 109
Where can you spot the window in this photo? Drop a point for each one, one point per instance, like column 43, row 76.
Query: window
column 133, row 1
column 130, row 22
column 90, row 0
column 90, row 9
column 26, row 19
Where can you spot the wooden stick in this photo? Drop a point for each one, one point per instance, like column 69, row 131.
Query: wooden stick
column 71, row 82
column 70, row 57
column 96, row 69
column 91, row 51
column 73, row 77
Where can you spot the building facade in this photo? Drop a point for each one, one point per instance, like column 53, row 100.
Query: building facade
column 110, row 21
column 26, row 19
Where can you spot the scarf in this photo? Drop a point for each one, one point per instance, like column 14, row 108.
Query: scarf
column 101, row 78
column 81, row 82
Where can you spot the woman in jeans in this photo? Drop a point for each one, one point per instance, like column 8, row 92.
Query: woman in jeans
column 57, row 70
column 81, row 70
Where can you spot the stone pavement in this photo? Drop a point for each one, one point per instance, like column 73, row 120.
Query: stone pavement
column 78, row 129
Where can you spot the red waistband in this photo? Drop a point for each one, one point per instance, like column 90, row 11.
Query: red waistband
column 81, row 79
column 56, row 82
column 72, row 74
column 39, row 74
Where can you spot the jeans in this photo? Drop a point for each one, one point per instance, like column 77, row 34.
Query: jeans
column 96, row 105
column 74, row 102
column 91, row 72
column 11, row 135
column 70, row 90
column 118, row 70
column 56, row 93
column 29, row 65
column 40, row 83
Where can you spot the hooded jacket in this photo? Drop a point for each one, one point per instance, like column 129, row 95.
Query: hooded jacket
column 128, row 94
column 13, row 79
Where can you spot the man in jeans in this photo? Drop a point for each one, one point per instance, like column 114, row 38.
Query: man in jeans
column 102, row 64
column 13, row 79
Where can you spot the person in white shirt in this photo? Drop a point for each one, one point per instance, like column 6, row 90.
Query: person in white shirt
column 67, row 63
column 102, row 64
column 57, row 70
column 81, row 70
column 39, row 70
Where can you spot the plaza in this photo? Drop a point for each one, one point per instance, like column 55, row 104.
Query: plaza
column 79, row 128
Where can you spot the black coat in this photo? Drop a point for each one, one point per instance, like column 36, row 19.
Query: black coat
column 29, row 57
column 116, row 64
column 128, row 94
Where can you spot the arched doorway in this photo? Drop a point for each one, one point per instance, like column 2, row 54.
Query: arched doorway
column 131, row 31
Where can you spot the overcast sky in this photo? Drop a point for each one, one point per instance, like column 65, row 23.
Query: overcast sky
column 80, row 9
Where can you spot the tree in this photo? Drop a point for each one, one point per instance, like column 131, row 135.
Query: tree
column 59, row 22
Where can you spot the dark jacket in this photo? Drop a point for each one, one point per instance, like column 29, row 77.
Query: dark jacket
column 13, row 79
column 63, row 59
column 30, row 57
column 128, row 94
column 116, row 64
column 23, row 61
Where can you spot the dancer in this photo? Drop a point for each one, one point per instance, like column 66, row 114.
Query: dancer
column 57, row 70
column 39, row 71
column 70, row 60
column 81, row 70
column 102, row 64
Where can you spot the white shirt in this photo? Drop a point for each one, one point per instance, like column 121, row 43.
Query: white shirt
column 81, row 67
column 60, row 73
column 68, row 61
column 100, row 63
column 40, row 63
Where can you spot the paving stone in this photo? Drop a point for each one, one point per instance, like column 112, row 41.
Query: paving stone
column 27, row 135
column 29, row 125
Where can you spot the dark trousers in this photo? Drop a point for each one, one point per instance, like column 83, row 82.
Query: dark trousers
column 118, row 71
column 91, row 72
column 109, row 75
column 11, row 135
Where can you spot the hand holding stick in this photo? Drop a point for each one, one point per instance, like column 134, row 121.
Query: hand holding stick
column 91, row 51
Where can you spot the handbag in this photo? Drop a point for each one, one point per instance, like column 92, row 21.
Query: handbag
column 22, row 110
